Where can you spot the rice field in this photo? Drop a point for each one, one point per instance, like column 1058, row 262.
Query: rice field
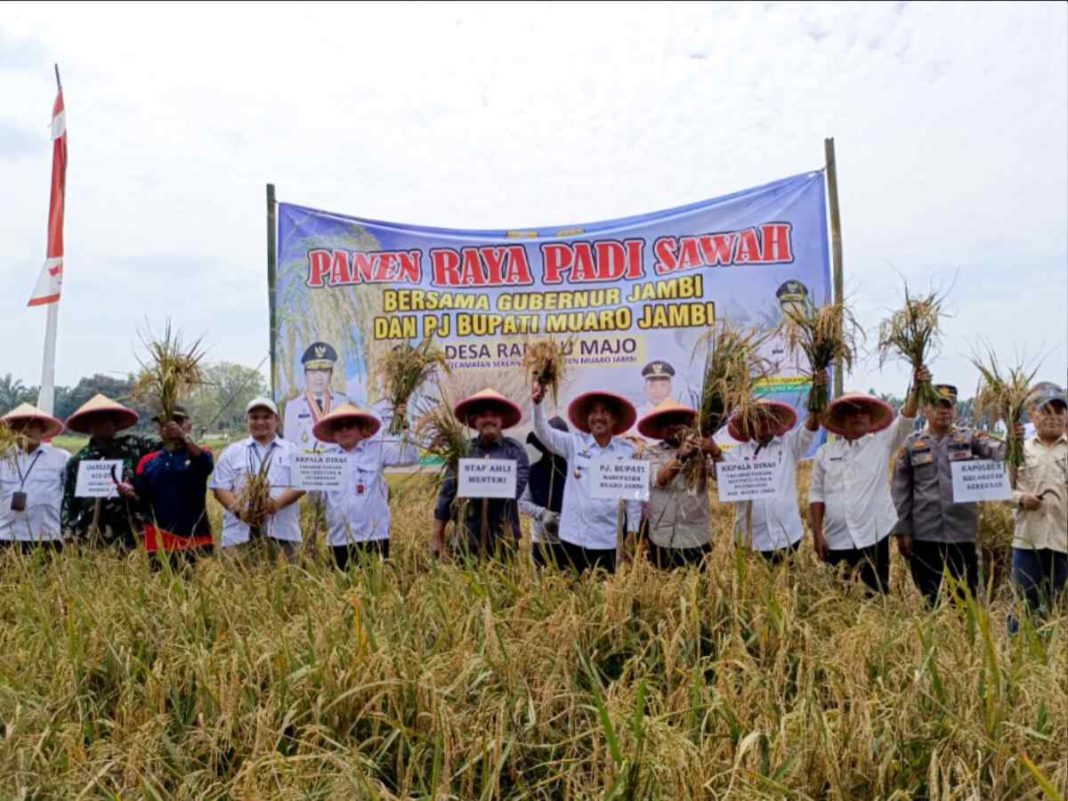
column 419, row 680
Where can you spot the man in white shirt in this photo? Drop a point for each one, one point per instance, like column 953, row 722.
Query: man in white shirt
column 776, row 522
column 589, row 527
column 850, row 508
column 358, row 517
column 263, row 451
column 31, row 483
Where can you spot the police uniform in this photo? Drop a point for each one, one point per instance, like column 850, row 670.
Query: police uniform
column 943, row 532
column 305, row 410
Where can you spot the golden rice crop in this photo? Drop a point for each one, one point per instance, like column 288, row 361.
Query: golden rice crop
column 1002, row 397
column 405, row 369
column 415, row 679
column 169, row 372
column 913, row 333
column 545, row 361
column 732, row 370
column 825, row 334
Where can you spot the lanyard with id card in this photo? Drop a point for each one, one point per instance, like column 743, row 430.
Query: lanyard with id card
column 18, row 498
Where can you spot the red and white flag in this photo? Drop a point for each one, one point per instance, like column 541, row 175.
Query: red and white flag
column 50, row 279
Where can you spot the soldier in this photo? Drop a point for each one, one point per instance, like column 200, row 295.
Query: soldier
column 316, row 401
column 111, row 521
column 850, row 507
column 490, row 526
column 934, row 533
column 31, row 482
column 680, row 515
column 1040, row 543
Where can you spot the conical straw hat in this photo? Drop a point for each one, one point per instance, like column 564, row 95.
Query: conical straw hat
column 667, row 412
column 26, row 412
column 324, row 429
column 491, row 399
column 579, row 411
column 882, row 413
column 775, row 415
column 101, row 405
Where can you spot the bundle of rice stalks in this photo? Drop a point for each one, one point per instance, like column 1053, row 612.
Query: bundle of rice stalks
column 732, row 369
column 405, row 369
column 170, row 371
column 1002, row 397
column 443, row 436
column 255, row 497
column 11, row 442
column 825, row 334
column 545, row 360
column 913, row 333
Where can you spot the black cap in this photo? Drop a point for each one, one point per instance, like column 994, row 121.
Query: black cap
column 179, row 415
column 792, row 291
column 319, row 356
column 947, row 393
column 658, row 369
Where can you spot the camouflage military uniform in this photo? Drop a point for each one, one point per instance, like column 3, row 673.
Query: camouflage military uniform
column 119, row 518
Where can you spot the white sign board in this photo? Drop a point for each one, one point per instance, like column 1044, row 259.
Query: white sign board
column 97, row 479
column 487, row 478
column 621, row 478
column 980, row 480
column 748, row 480
column 319, row 472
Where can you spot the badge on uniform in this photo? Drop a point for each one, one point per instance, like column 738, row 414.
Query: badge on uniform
column 960, row 454
column 922, row 458
column 360, row 489
column 18, row 501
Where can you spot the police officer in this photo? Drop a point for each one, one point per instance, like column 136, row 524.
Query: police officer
column 316, row 401
column 934, row 533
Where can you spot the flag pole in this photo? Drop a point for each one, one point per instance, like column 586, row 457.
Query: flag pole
column 836, row 245
column 272, row 278
column 46, row 397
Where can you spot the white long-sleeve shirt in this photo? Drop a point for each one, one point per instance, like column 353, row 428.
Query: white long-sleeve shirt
column 40, row 475
column 232, row 471
column 852, row 479
column 776, row 521
column 360, row 512
column 584, row 520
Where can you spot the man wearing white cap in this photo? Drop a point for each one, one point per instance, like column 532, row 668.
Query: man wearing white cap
column 113, row 521
column 358, row 516
column 262, row 453
column 31, row 482
column 850, row 508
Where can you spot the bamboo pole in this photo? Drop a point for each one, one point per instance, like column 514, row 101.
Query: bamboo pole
column 836, row 243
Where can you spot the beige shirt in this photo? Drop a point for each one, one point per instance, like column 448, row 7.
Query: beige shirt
column 1044, row 473
column 677, row 517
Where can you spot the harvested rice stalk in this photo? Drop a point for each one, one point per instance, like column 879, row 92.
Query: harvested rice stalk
column 405, row 369
column 913, row 333
column 825, row 334
column 545, row 360
column 255, row 497
column 170, row 371
column 732, row 369
column 1003, row 395
column 11, row 442
column 443, row 436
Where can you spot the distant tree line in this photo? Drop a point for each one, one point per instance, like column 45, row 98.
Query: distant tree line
column 217, row 406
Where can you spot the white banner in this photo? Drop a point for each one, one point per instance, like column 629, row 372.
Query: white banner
column 980, row 480
column 487, row 478
column 98, row 479
column 748, row 480
column 319, row 472
column 621, row 478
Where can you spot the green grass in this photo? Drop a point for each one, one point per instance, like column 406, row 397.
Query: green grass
column 419, row 680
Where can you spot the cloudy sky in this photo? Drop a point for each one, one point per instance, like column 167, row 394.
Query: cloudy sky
column 951, row 123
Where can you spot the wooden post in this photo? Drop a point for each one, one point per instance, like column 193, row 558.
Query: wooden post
column 836, row 244
column 272, row 279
